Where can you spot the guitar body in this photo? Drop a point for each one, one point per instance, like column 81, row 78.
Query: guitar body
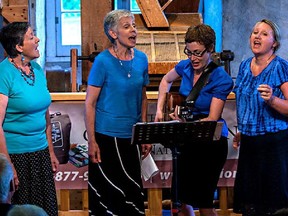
column 172, row 99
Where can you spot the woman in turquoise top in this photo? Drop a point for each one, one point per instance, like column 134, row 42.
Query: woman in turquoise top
column 25, row 128
column 261, row 89
column 201, row 160
column 115, row 100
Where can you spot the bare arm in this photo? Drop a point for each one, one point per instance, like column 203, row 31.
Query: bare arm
column 145, row 148
column 3, row 106
column 164, row 88
column 280, row 105
column 90, row 105
column 144, row 105
column 216, row 109
column 3, row 146
column 54, row 160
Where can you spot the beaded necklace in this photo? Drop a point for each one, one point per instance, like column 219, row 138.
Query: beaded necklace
column 29, row 78
column 129, row 73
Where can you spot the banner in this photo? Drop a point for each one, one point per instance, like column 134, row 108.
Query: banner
column 74, row 174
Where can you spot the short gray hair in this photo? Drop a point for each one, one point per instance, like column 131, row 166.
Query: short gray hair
column 6, row 176
column 111, row 20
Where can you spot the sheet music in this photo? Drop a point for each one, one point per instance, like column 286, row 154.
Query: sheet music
column 148, row 167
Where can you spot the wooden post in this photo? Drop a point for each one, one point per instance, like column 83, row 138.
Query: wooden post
column 73, row 57
column 155, row 201
column 65, row 200
column 223, row 199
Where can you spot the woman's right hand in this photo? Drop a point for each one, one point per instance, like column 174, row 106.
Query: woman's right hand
column 159, row 116
column 174, row 115
column 94, row 152
column 15, row 178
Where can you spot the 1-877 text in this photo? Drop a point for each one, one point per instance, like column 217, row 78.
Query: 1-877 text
column 70, row 176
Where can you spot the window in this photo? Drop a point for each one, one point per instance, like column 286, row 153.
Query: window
column 63, row 23
column 63, row 18
column 68, row 22
column 127, row 4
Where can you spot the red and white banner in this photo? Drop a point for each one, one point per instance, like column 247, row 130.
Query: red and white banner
column 74, row 174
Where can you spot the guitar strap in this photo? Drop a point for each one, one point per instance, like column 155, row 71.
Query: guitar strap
column 201, row 82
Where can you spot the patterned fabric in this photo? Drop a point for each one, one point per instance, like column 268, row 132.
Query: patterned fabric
column 254, row 116
column 261, row 184
column 115, row 184
column 36, row 182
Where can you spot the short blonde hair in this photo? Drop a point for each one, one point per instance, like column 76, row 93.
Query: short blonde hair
column 276, row 32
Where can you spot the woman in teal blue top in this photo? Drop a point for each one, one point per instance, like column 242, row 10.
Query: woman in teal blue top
column 261, row 89
column 25, row 128
column 203, row 160
column 115, row 100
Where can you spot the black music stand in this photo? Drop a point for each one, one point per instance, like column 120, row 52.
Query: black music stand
column 173, row 134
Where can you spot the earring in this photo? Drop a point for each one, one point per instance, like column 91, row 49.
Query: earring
column 22, row 57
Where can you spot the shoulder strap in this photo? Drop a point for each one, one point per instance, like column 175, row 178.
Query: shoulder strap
column 191, row 98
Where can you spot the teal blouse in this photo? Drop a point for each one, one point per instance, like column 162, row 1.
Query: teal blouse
column 24, row 124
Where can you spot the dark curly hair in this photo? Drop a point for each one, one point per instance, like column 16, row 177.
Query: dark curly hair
column 202, row 34
column 11, row 35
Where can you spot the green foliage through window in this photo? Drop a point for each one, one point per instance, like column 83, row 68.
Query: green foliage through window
column 71, row 5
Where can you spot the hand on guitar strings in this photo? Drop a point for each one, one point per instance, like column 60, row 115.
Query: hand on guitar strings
column 174, row 115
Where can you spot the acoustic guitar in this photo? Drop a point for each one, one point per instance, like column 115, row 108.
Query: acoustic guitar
column 172, row 99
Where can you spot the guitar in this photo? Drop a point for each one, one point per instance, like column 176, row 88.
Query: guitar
column 172, row 99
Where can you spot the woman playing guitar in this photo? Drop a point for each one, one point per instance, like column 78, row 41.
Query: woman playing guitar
column 199, row 190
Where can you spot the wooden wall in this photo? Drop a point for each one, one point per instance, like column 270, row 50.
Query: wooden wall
column 181, row 6
column 92, row 15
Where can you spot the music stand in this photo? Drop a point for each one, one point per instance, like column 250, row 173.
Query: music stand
column 173, row 134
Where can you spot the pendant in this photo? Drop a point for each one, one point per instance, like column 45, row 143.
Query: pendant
column 129, row 75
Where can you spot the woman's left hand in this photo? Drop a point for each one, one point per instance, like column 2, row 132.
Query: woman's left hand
column 236, row 140
column 146, row 149
column 266, row 92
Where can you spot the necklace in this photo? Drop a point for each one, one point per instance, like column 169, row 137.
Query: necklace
column 269, row 58
column 267, row 61
column 121, row 63
column 29, row 78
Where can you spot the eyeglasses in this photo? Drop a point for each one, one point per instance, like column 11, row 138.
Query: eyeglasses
column 196, row 53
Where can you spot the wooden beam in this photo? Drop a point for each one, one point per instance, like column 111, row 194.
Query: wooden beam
column 73, row 213
column 16, row 2
column 161, row 67
column 166, row 5
column 15, row 13
column 153, row 13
